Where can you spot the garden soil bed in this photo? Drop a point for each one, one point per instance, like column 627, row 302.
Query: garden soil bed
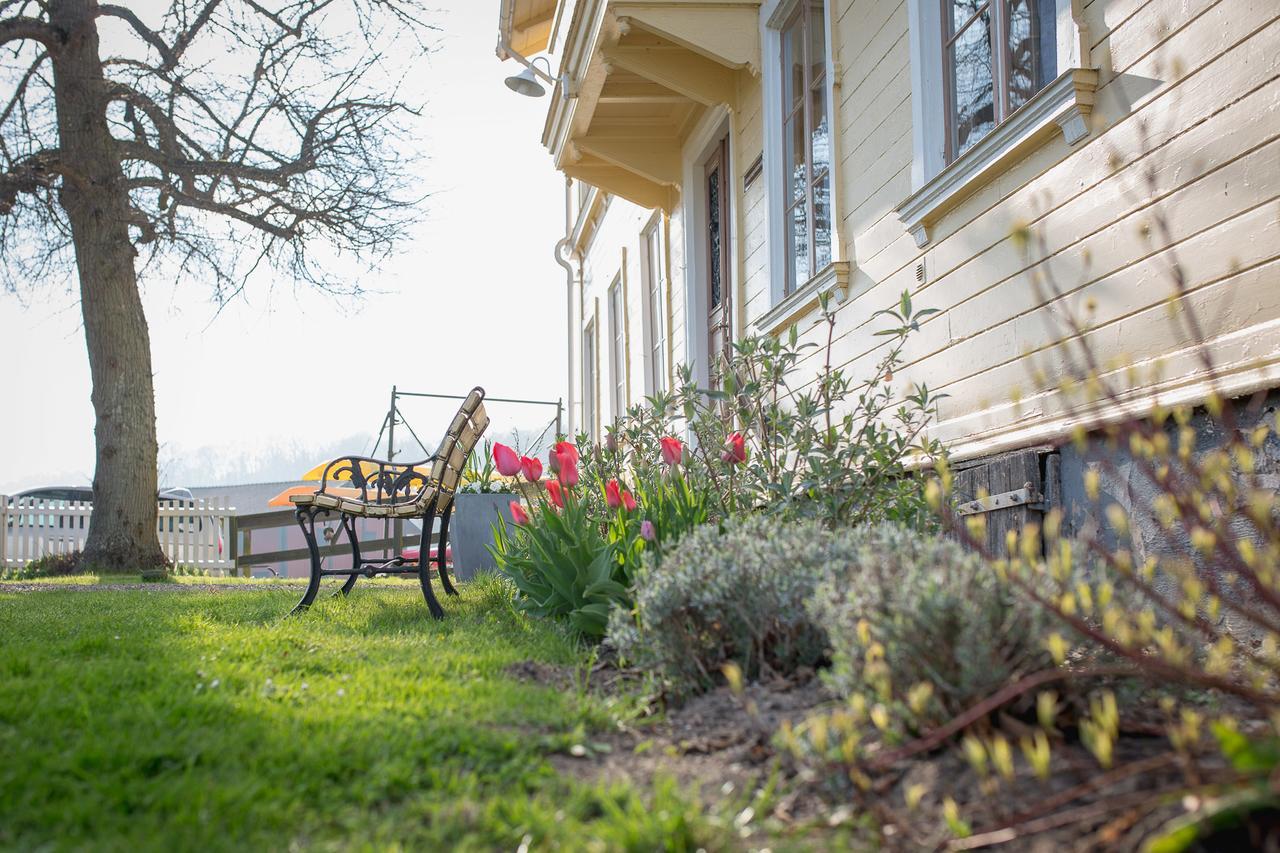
column 720, row 745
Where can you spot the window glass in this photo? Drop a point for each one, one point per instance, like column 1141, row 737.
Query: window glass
column 972, row 86
column 806, row 135
column 997, row 54
column 655, row 288
column 589, row 379
column 618, row 352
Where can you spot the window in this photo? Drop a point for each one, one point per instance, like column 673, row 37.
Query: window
column 997, row 54
column 653, row 270
column 589, row 379
column 618, row 348
column 806, row 139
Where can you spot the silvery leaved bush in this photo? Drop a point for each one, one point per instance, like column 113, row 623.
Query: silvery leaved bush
column 918, row 624
column 730, row 595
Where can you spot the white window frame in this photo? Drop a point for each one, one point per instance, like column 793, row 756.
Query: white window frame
column 616, row 298
column 774, row 15
column 936, row 185
column 589, row 382
column 653, row 275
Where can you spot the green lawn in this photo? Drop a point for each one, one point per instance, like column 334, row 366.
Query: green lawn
column 185, row 719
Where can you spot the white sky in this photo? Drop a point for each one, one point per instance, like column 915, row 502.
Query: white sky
column 476, row 291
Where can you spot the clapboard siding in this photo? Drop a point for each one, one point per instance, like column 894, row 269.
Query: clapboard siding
column 1186, row 127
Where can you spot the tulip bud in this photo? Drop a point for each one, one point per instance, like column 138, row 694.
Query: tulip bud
column 506, row 460
column 612, row 494
column 518, row 515
column 647, row 531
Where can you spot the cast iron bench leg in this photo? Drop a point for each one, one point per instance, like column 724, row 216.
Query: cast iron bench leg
column 441, row 548
column 349, row 525
column 424, row 565
column 307, row 521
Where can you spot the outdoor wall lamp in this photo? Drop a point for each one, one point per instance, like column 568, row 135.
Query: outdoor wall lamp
column 527, row 81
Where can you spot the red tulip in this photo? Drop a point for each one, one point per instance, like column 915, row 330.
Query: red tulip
column 506, row 460
column 672, row 450
column 531, row 468
column 567, row 447
column 554, row 493
column 612, row 494
column 628, row 502
column 518, row 515
column 568, row 469
column 735, row 450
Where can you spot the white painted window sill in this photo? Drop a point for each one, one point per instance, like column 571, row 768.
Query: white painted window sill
column 833, row 277
column 1065, row 103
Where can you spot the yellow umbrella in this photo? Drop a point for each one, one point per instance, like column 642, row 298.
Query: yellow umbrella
column 366, row 468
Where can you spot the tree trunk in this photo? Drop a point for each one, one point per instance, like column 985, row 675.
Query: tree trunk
column 122, row 535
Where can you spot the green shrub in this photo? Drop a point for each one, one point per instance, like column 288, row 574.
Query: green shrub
column 907, row 609
column 53, row 565
column 733, row 596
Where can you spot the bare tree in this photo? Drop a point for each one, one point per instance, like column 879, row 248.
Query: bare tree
column 191, row 138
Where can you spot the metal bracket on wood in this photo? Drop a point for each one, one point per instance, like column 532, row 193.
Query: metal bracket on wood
column 1005, row 500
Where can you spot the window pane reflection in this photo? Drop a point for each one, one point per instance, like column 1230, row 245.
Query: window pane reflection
column 972, row 93
column 799, row 246
column 822, row 222
column 821, row 132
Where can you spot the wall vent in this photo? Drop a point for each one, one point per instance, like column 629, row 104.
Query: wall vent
column 920, row 272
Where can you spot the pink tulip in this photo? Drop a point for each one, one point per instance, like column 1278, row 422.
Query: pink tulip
column 506, row 459
column 563, row 447
column 612, row 494
column 531, row 468
column 518, row 515
column 568, row 472
column 628, row 502
column 647, row 531
column 735, row 450
column 672, row 450
column 554, row 493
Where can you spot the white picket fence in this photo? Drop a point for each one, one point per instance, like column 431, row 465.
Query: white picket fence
column 196, row 533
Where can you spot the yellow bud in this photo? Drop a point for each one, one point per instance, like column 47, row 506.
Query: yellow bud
column 1203, row 540
column 733, row 675
column 880, row 717
column 1001, row 756
column 975, row 754
column 1092, row 483
column 1118, row 518
column 864, row 632
column 1046, row 708
column 914, row 794
column 918, row 697
column 1057, row 648
column 1036, row 751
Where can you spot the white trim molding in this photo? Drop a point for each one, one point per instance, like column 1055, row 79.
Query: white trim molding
column 833, row 279
column 1064, row 104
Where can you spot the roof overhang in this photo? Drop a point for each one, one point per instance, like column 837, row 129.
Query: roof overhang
column 524, row 26
column 644, row 72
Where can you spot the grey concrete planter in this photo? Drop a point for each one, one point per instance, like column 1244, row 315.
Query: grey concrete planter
column 471, row 530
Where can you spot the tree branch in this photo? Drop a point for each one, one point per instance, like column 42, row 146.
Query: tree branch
column 31, row 29
column 146, row 33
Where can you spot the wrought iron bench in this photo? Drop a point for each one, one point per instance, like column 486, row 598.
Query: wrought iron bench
column 415, row 490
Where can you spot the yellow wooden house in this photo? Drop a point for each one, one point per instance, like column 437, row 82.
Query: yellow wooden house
column 728, row 161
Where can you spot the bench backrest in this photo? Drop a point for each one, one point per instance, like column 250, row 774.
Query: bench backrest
column 459, row 440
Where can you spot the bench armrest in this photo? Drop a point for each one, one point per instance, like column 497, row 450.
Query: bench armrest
column 380, row 481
